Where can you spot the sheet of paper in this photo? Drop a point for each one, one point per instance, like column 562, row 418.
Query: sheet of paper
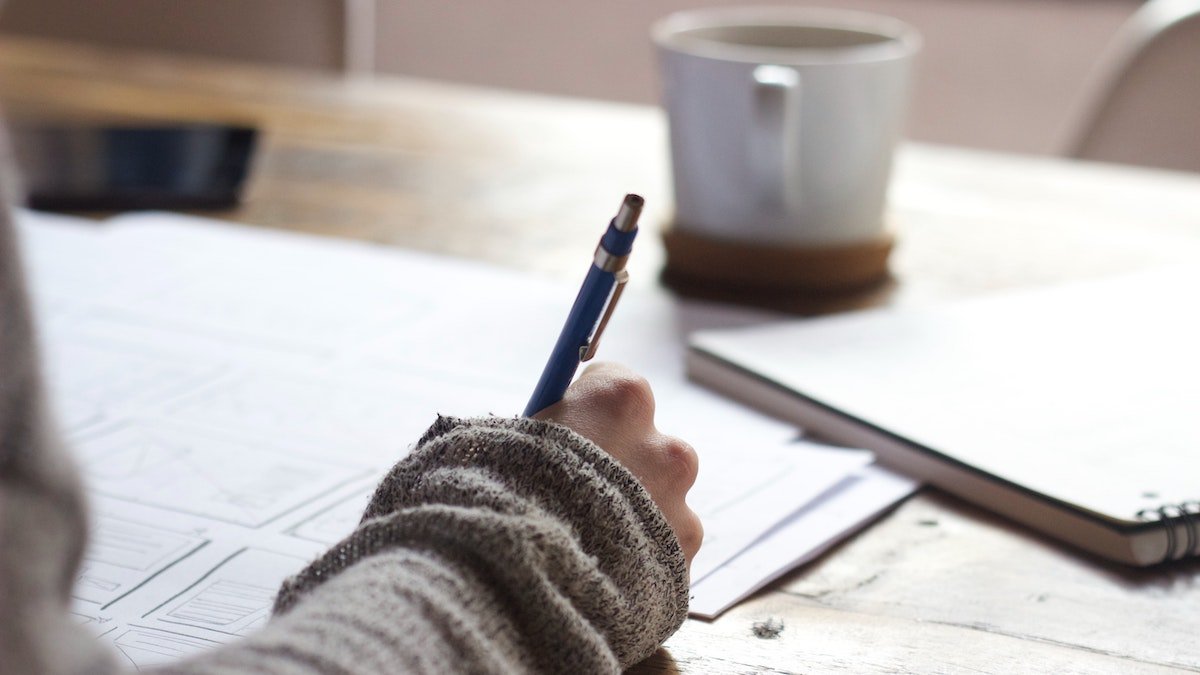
column 233, row 395
column 805, row 535
column 734, row 512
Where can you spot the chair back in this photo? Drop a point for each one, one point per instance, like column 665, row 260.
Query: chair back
column 1144, row 103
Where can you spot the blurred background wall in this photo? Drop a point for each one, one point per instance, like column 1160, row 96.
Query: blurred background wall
column 305, row 33
column 996, row 74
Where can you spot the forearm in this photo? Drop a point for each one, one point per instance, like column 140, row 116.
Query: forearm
column 507, row 545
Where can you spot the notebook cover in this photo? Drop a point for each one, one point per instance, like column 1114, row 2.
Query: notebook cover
column 1083, row 395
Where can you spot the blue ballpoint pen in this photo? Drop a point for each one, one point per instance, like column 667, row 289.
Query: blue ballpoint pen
column 593, row 307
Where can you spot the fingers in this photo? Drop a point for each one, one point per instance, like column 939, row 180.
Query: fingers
column 673, row 469
column 609, row 405
column 679, row 462
column 613, row 407
column 618, row 391
column 688, row 530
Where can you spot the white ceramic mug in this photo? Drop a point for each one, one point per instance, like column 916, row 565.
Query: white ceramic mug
column 783, row 121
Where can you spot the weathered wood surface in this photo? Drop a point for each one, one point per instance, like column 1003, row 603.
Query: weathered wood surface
column 523, row 181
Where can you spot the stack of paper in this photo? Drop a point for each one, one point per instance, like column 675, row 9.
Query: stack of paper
column 233, row 396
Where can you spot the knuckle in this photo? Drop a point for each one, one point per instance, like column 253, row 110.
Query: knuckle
column 681, row 459
column 690, row 533
column 629, row 396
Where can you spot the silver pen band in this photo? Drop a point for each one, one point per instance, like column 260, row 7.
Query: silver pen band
column 609, row 262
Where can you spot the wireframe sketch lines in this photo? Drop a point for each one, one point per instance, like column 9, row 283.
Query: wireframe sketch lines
column 145, row 647
column 368, row 421
column 122, row 554
column 116, row 374
column 225, row 604
column 186, row 471
column 233, row 598
column 334, row 523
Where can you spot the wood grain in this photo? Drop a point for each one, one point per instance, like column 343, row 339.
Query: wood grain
column 524, row 181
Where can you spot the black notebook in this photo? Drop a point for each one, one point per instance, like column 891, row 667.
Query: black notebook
column 1074, row 410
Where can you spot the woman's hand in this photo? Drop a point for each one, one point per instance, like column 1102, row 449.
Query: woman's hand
column 613, row 407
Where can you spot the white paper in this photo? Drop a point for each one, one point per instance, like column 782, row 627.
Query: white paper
column 233, row 396
column 736, row 513
column 801, row 538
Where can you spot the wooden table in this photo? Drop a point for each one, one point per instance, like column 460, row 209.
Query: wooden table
column 522, row 181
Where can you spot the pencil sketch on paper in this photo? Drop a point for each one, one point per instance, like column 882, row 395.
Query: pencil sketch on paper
column 235, row 597
column 247, row 304
column 335, row 522
column 99, row 626
column 370, row 423
column 144, row 647
column 185, row 471
column 225, row 604
column 122, row 554
column 118, row 375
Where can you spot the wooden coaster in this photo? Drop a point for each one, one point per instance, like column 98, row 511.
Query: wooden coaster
column 700, row 264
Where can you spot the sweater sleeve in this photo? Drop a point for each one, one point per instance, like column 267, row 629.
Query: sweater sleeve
column 42, row 523
column 498, row 545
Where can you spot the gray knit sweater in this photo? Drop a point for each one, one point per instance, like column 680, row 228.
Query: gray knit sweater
column 498, row 545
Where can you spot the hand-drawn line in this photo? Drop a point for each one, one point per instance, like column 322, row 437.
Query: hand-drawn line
column 221, row 479
column 224, row 603
column 125, row 553
column 95, row 624
column 151, row 646
column 104, row 375
column 198, row 581
column 131, row 545
column 136, row 459
column 234, row 597
column 156, row 574
column 338, row 520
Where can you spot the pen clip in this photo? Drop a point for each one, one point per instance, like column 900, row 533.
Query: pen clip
column 588, row 350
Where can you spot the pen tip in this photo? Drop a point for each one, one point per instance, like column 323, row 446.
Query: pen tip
column 631, row 208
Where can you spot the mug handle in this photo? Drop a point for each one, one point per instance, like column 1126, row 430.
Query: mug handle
column 775, row 135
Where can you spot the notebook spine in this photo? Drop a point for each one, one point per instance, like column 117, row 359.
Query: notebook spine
column 1173, row 516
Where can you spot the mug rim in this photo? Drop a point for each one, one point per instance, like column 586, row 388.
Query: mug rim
column 899, row 38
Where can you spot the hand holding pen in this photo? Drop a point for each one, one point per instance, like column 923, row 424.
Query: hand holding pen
column 614, row 408
column 610, row 405
column 593, row 307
